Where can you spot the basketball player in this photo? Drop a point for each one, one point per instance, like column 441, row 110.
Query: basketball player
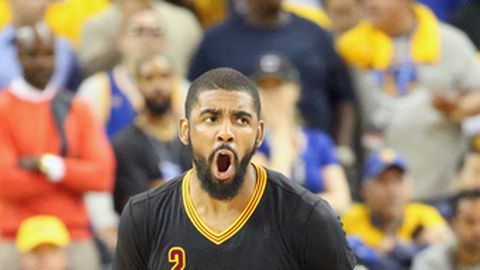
column 228, row 213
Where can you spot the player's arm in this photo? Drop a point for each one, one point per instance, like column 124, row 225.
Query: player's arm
column 325, row 243
column 132, row 250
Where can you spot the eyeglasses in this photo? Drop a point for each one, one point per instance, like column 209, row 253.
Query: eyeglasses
column 135, row 30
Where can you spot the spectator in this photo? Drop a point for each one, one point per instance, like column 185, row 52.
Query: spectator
column 467, row 18
column 306, row 155
column 30, row 13
column 42, row 243
column 113, row 95
column 53, row 151
column 464, row 252
column 97, row 52
column 326, row 96
column 388, row 222
column 416, row 79
column 149, row 152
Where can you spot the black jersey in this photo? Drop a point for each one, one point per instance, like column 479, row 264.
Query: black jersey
column 283, row 227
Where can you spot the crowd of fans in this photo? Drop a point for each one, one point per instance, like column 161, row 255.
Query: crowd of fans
column 371, row 104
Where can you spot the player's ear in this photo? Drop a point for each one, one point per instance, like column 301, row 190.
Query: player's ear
column 184, row 131
column 260, row 132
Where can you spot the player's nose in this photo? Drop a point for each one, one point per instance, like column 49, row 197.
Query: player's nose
column 225, row 134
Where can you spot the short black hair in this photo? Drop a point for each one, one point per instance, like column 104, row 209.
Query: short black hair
column 225, row 79
column 464, row 195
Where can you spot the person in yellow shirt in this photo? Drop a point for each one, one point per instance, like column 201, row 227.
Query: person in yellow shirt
column 66, row 18
column 387, row 221
column 416, row 80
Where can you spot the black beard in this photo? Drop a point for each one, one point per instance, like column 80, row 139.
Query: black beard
column 158, row 108
column 38, row 80
column 220, row 190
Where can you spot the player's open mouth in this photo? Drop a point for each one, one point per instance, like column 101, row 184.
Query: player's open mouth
column 223, row 165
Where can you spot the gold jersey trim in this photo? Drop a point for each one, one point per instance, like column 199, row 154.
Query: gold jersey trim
column 237, row 225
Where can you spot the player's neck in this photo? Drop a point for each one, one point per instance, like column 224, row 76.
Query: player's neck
column 220, row 214
column 201, row 198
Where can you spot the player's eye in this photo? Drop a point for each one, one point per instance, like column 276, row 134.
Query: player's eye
column 243, row 120
column 211, row 119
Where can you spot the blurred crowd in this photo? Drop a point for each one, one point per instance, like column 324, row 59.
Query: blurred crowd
column 373, row 105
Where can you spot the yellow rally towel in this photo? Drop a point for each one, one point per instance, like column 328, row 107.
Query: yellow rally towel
column 368, row 47
column 66, row 17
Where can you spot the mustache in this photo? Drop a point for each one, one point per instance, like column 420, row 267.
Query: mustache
column 222, row 147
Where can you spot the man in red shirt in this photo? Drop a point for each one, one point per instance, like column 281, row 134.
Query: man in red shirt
column 53, row 151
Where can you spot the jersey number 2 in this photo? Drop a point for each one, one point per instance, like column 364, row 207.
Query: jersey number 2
column 177, row 256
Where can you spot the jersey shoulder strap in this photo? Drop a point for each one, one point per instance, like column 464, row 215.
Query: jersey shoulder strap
column 60, row 107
